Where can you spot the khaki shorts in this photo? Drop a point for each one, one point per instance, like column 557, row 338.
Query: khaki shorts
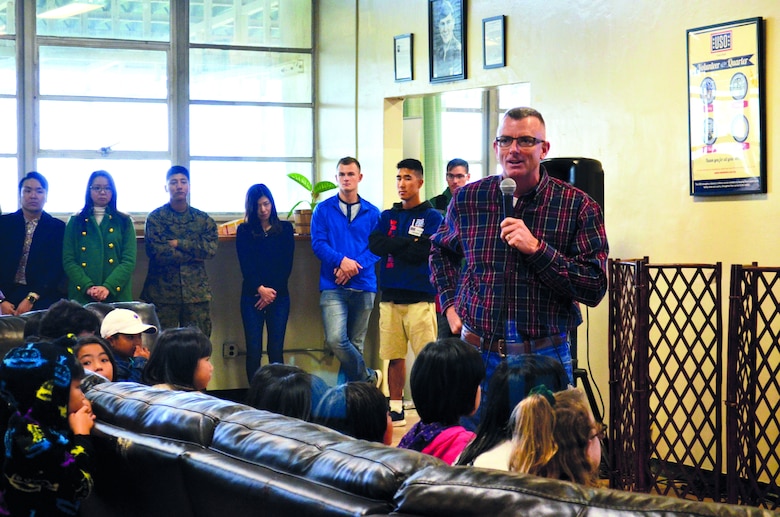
column 400, row 324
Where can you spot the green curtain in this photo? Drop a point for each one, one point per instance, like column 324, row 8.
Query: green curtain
column 428, row 109
column 431, row 147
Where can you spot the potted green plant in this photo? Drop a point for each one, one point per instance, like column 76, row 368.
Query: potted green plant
column 302, row 217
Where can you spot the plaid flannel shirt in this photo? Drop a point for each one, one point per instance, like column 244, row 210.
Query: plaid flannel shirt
column 502, row 292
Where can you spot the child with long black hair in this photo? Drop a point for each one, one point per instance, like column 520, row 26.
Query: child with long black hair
column 285, row 389
column 357, row 409
column 181, row 360
column 445, row 384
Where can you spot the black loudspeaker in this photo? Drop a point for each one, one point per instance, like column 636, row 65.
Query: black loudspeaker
column 587, row 175
column 584, row 173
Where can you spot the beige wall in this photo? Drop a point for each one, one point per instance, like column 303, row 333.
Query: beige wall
column 609, row 77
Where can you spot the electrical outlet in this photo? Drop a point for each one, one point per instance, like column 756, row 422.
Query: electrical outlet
column 229, row 350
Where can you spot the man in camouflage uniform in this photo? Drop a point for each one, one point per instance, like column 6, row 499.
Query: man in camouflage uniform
column 179, row 239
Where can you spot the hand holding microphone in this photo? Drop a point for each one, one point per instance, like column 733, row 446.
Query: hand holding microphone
column 514, row 231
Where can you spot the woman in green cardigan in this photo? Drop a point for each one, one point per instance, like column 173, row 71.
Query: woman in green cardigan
column 99, row 247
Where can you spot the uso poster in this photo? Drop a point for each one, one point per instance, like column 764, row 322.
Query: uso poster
column 725, row 118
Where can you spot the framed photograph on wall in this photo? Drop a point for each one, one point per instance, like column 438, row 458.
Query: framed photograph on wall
column 493, row 45
column 447, row 40
column 403, row 57
column 726, row 109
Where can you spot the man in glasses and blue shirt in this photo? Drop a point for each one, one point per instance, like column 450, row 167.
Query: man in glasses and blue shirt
column 524, row 274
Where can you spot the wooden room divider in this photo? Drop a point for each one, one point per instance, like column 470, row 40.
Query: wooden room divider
column 667, row 396
column 666, row 378
column 753, row 390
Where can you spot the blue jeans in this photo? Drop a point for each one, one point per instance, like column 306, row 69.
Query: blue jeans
column 345, row 316
column 491, row 360
column 274, row 317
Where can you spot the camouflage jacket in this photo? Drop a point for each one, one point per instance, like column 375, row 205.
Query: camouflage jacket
column 178, row 275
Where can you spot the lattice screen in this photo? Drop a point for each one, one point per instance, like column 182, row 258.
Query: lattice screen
column 685, row 380
column 623, row 315
column 666, row 378
column 753, row 408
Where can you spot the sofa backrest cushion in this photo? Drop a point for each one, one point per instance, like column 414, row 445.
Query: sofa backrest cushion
column 12, row 329
column 320, row 454
column 178, row 415
column 221, row 485
column 11, row 333
column 471, row 491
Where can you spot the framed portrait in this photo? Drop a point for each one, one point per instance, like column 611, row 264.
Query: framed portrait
column 447, row 40
column 403, row 57
column 726, row 109
column 493, row 46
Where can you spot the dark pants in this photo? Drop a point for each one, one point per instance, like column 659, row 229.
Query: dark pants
column 274, row 317
column 19, row 292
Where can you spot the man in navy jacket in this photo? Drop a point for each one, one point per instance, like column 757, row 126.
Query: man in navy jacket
column 407, row 313
column 31, row 274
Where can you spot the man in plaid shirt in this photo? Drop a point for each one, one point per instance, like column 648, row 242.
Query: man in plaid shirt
column 525, row 275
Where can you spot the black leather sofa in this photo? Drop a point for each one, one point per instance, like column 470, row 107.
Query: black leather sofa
column 165, row 453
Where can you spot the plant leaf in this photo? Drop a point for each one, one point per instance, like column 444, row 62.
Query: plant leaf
column 301, row 180
column 323, row 186
column 320, row 187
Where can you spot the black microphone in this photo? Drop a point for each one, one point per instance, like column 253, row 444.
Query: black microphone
column 507, row 187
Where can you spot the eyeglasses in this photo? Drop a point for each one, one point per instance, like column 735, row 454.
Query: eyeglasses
column 101, row 189
column 599, row 431
column 522, row 141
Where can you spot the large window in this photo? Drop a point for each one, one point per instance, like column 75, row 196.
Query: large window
column 8, row 120
column 462, row 129
column 115, row 88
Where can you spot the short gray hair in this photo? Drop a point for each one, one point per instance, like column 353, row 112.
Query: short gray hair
column 521, row 113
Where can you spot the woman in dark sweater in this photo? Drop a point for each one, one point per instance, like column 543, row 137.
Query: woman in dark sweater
column 265, row 247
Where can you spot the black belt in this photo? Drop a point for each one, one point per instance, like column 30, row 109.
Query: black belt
column 500, row 346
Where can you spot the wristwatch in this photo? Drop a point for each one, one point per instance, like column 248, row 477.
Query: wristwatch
column 32, row 298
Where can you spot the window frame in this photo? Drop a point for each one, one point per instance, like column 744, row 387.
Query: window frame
column 178, row 48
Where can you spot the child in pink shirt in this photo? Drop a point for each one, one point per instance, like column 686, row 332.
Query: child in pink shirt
column 445, row 387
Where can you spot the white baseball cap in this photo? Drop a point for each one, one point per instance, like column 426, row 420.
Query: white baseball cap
column 124, row 321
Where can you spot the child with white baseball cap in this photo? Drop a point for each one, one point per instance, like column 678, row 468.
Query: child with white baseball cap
column 123, row 328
